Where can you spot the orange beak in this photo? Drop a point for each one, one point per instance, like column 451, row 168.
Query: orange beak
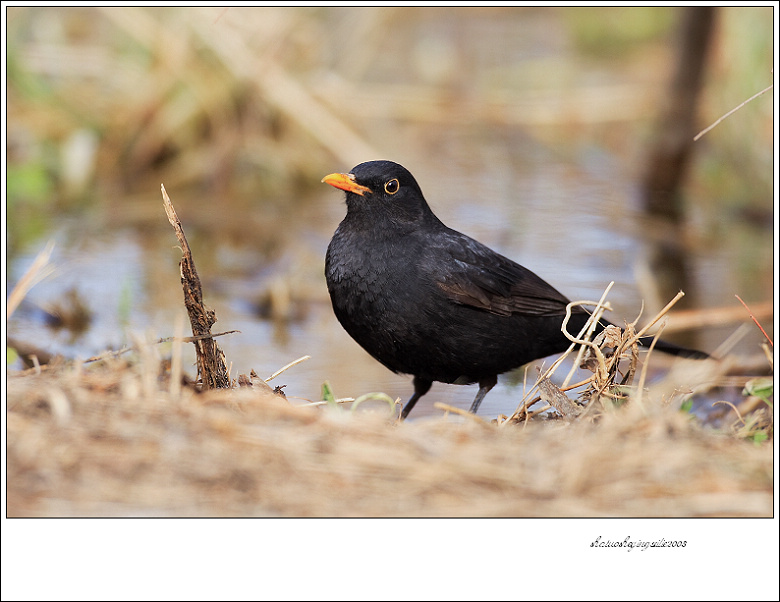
column 345, row 181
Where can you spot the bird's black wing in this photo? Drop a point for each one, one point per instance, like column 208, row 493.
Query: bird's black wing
column 472, row 274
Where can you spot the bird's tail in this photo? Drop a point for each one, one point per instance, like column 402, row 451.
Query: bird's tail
column 578, row 321
column 673, row 349
column 646, row 341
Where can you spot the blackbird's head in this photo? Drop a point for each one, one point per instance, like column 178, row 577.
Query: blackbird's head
column 381, row 190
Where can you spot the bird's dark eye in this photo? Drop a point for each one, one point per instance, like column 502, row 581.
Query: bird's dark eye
column 391, row 187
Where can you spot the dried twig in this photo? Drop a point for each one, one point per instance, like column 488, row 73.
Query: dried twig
column 212, row 369
column 728, row 403
column 752, row 317
column 589, row 327
column 460, row 412
column 734, row 110
column 585, row 333
column 555, row 397
column 700, row 318
column 136, row 347
column 660, row 315
column 39, row 270
column 643, row 373
column 290, row 365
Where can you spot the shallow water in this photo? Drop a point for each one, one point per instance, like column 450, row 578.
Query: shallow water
column 507, row 151
column 574, row 223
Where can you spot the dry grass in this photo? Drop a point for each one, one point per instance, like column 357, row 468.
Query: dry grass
column 111, row 440
column 203, row 93
column 240, row 88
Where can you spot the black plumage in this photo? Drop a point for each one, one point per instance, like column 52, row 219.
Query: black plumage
column 426, row 300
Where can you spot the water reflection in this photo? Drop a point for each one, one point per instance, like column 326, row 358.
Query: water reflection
column 518, row 138
column 578, row 228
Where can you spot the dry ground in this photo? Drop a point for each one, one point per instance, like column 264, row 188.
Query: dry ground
column 109, row 439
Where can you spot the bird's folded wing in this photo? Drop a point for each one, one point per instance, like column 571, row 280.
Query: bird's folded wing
column 479, row 277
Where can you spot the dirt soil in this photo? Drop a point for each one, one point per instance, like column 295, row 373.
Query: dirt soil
column 110, row 439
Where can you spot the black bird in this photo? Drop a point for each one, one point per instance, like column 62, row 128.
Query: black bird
column 426, row 300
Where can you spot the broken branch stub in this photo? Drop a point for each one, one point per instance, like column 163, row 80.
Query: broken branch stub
column 212, row 368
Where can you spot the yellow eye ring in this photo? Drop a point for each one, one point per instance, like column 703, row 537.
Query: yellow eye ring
column 392, row 186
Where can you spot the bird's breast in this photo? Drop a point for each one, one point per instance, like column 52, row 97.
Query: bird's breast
column 377, row 296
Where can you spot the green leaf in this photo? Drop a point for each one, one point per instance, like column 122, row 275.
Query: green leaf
column 759, row 437
column 11, row 355
column 760, row 387
column 327, row 394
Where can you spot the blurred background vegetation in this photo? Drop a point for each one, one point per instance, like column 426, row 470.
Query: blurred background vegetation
column 108, row 102
column 241, row 111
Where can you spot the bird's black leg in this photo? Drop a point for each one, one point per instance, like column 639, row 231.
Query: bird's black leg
column 421, row 387
column 484, row 386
